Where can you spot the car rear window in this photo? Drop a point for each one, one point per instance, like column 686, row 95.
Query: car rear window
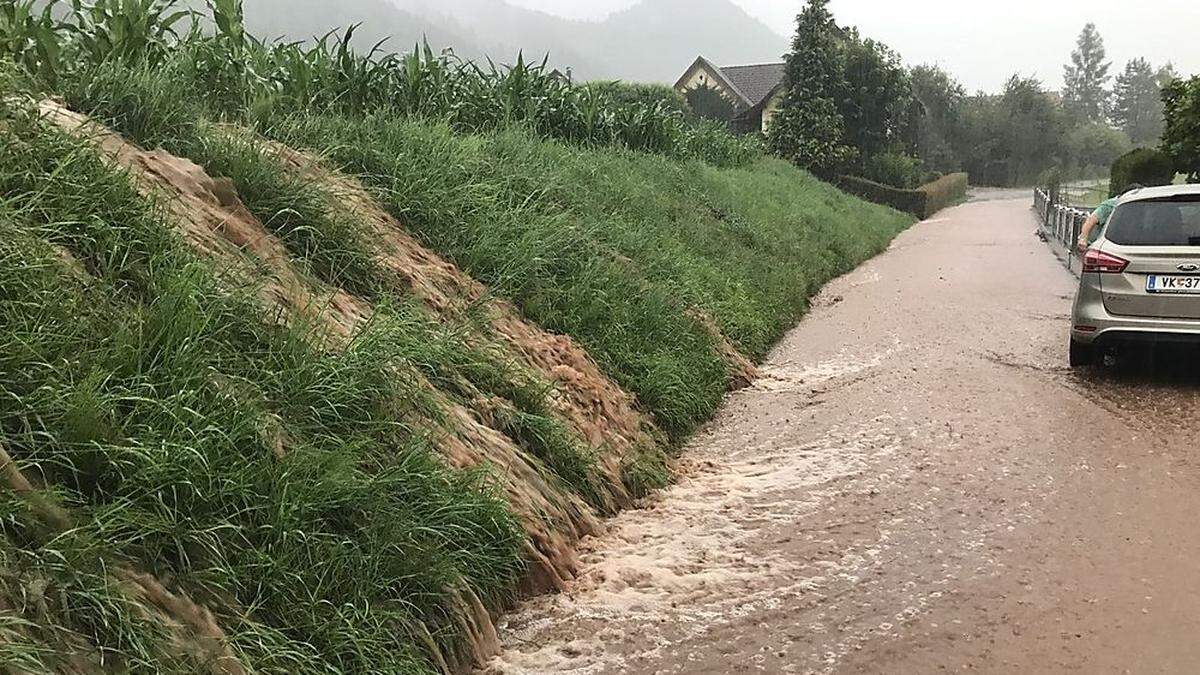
column 1173, row 221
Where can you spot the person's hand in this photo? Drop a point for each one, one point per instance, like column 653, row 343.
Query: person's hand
column 1083, row 245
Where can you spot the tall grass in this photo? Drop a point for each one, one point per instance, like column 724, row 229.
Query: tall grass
column 154, row 400
column 149, row 107
column 31, row 37
column 612, row 247
column 468, row 197
column 615, row 247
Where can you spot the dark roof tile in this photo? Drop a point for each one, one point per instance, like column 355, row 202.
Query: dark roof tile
column 757, row 81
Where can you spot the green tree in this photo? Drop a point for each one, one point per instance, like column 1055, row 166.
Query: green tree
column 809, row 129
column 894, row 169
column 709, row 103
column 1094, row 146
column 1181, row 139
column 1137, row 103
column 1087, row 76
column 1034, row 129
column 981, row 148
column 875, row 97
column 940, row 123
column 1143, row 166
column 1012, row 138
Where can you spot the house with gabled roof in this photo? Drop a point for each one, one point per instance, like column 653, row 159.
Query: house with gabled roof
column 756, row 91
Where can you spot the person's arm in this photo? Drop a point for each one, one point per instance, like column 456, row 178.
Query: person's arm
column 1097, row 219
column 1085, row 235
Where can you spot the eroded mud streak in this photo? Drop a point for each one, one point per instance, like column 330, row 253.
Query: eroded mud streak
column 212, row 219
column 597, row 409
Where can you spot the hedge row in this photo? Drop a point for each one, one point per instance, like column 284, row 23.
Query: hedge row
column 908, row 201
column 922, row 202
column 943, row 192
column 1143, row 166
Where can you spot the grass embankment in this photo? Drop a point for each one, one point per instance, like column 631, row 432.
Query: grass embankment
column 613, row 247
column 150, row 397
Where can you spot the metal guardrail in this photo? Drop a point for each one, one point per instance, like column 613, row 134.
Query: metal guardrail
column 1061, row 223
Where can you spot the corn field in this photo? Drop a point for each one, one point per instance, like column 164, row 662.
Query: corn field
column 240, row 76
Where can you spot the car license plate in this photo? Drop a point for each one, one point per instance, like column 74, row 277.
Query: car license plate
column 1157, row 283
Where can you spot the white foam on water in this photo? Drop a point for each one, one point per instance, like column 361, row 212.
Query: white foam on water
column 683, row 567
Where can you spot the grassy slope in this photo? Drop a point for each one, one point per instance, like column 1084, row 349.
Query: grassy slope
column 141, row 392
column 331, row 246
column 121, row 385
column 614, row 247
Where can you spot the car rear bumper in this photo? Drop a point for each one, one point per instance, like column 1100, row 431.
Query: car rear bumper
column 1133, row 338
column 1093, row 324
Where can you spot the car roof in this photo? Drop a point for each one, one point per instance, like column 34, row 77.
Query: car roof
column 1163, row 192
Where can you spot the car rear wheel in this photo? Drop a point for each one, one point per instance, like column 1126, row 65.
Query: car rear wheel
column 1082, row 354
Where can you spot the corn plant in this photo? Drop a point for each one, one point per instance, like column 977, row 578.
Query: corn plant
column 126, row 30
column 31, row 38
column 237, row 76
column 229, row 18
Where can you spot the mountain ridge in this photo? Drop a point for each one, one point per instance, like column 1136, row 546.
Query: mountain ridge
column 652, row 41
column 719, row 30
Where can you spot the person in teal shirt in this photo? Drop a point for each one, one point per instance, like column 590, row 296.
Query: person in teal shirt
column 1099, row 218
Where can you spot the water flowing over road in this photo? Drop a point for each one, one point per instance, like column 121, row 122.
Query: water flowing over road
column 916, row 484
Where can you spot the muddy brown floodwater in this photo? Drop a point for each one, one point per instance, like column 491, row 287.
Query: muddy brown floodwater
column 916, row 484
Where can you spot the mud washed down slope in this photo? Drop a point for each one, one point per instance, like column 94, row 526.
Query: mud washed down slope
column 238, row 443
column 468, row 431
column 916, row 484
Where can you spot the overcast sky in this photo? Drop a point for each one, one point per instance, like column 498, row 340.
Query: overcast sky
column 983, row 43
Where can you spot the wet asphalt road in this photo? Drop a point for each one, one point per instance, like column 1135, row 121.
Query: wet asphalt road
column 917, row 484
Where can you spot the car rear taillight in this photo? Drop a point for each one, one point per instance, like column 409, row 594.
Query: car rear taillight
column 1099, row 262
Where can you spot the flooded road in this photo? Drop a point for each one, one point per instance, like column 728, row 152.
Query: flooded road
column 917, row 484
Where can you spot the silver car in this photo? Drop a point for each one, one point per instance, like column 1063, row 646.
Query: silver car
column 1140, row 282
